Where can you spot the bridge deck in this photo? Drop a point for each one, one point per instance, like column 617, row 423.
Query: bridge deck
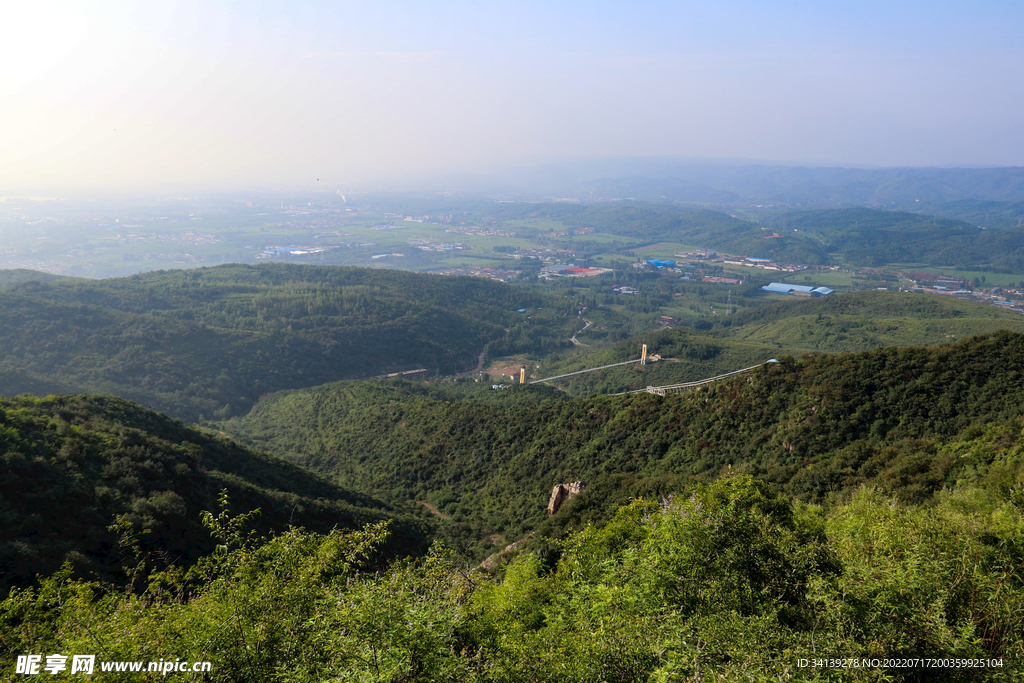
column 686, row 386
column 661, row 391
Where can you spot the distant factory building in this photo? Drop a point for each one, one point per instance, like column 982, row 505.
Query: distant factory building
column 581, row 263
column 796, row 290
column 661, row 263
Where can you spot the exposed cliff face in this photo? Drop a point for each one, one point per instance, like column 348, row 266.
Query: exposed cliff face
column 562, row 493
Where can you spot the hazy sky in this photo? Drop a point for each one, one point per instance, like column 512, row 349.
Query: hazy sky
column 124, row 95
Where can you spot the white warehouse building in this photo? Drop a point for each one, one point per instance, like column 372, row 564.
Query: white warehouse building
column 796, row 290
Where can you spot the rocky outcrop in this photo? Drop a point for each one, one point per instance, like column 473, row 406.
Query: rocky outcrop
column 562, row 493
column 497, row 559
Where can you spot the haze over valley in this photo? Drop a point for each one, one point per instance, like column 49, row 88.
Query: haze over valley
column 570, row 343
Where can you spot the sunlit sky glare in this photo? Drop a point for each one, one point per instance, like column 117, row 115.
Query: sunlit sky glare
column 112, row 95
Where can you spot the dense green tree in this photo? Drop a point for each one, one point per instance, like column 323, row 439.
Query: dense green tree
column 727, row 581
column 80, row 471
column 210, row 342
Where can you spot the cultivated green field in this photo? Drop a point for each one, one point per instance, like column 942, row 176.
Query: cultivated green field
column 999, row 279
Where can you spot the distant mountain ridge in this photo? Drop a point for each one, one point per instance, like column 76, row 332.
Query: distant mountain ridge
column 901, row 188
column 856, row 236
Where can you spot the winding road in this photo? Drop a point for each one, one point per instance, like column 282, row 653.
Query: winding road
column 573, row 338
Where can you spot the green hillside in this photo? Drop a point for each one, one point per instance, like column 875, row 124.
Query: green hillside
column 696, row 551
column 857, row 321
column 648, row 223
column 849, row 321
column 726, row 582
column 74, row 465
column 999, row 215
column 868, row 237
column 210, row 342
column 854, row 236
column 720, row 571
column 814, row 427
column 17, row 275
column 686, row 356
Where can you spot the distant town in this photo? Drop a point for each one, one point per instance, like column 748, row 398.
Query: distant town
column 91, row 240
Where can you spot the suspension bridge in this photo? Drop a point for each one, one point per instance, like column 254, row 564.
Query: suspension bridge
column 687, row 386
column 580, row 372
column 662, row 390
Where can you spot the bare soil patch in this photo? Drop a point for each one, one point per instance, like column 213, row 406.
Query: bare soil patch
column 506, row 367
column 433, row 510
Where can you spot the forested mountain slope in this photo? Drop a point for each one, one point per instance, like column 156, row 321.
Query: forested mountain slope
column 869, row 237
column 858, row 321
column 999, row 215
column 72, row 466
column 686, row 356
column 918, row 454
column 848, row 321
column 647, row 223
column 16, row 275
column 813, row 426
column 853, row 236
column 728, row 582
column 901, row 188
column 209, row 342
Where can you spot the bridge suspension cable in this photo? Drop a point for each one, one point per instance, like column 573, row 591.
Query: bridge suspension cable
column 674, row 388
column 667, row 389
column 580, row 372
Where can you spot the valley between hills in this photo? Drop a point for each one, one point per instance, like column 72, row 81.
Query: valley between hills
column 294, row 467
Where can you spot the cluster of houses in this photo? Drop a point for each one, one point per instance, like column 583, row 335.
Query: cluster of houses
column 546, row 255
column 482, row 271
column 710, row 256
column 483, row 232
column 947, row 286
column 764, row 264
column 579, row 268
column 441, row 246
